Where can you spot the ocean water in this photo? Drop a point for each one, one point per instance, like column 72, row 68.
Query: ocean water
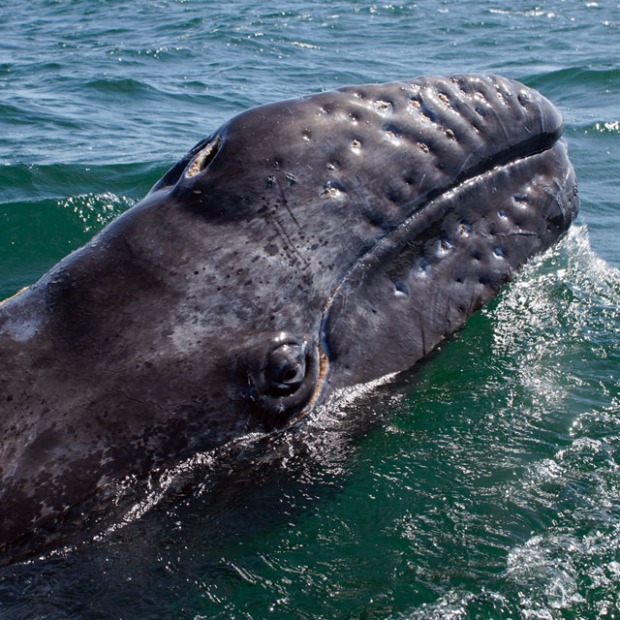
column 485, row 483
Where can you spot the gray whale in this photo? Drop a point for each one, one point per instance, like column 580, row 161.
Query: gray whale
column 304, row 246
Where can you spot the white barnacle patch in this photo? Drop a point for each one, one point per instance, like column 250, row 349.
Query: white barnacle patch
column 463, row 229
column 400, row 290
column 392, row 135
column 462, row 85
column 415, row 104
column 421, row 269
column 356, row 146
column 443, row 247
column 444, row 99
column 426, row 117
column 524, row 98
column 382, row 106
column 480, row 96
column 520, row 201
column 332, row 190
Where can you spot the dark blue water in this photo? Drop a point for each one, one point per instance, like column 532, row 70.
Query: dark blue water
column 486, row 484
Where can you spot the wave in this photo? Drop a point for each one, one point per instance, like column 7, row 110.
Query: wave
column 49, row 210
column 38, row 233
column 545, row 487
column 25, row 182
column 602, row 127
column 127, row 87
column 571, row 76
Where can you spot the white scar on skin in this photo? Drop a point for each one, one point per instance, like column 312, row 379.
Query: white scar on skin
column 21, row 325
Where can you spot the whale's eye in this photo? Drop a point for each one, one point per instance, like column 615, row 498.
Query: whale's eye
column 285, row 368
column 285, row 380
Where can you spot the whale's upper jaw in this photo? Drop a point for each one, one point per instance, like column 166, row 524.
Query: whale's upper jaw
column 421, row 282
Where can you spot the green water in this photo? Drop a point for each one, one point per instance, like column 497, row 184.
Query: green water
column 483, row 484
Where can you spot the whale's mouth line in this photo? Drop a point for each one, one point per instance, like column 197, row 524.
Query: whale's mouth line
column 432, row 207
column 536, row 144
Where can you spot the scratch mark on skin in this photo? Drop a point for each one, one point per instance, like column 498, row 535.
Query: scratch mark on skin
column 423, row 338
column 280, row 228
column 288, row 242
column 285, row 202
column 151, row 403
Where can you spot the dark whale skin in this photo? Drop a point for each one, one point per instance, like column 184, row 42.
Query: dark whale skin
column 305, row 245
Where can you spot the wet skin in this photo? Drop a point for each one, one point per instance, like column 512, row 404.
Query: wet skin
column 304, row 246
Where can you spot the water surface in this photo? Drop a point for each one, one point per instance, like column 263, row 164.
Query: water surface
column 485, row 483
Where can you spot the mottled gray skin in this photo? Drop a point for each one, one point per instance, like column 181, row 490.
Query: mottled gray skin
column 306, row 245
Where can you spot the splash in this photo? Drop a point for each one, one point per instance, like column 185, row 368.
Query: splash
column 96, row 210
